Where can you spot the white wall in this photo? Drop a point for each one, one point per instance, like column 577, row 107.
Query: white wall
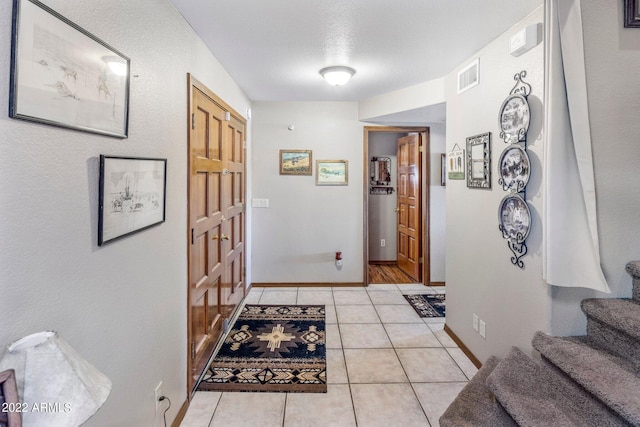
column 295, row 239
column 437, row 204
column 612, row 56
column 407, row 99
column 383, row 220
column 122, row 306
column 480, row 278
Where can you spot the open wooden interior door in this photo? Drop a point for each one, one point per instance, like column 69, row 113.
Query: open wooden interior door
column 409, row 206
column 215, row 186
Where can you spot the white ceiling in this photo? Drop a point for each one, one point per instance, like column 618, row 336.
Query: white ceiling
column 275, row 48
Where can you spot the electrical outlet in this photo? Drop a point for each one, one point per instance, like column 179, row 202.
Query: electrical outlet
column 475, row 322
column 158, row 394
column 383, row 242
column 483, row 329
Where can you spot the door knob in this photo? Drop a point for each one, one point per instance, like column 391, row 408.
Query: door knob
column 396, row 210
column 224, row 237
column 214, row 237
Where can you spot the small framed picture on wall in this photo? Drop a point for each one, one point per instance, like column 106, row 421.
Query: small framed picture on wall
column 332, row 172
column 455, row 163
column 295, row 162
column 132, row 196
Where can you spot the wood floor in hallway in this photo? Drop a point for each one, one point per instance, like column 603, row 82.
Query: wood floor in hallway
column 388, row 273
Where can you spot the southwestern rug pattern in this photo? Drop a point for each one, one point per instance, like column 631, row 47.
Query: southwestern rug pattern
column 427, row 305
column 272, row 348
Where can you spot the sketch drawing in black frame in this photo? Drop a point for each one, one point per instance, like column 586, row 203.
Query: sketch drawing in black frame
column 132, row 195
column 64, row 76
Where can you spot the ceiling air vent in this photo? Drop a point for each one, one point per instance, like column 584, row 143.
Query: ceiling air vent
column 469, row 76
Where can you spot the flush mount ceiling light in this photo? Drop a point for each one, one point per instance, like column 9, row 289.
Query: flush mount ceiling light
column 337, row 75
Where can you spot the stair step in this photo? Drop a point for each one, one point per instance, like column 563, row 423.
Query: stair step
column 535, row 396
column 475, row 405
column 614, row 324
column 609, row 378
column 619, row 313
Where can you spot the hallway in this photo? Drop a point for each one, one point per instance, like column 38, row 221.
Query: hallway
column 388, row 273
column 385, row 366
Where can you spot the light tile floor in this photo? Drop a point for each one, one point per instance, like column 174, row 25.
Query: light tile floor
column 386, row 366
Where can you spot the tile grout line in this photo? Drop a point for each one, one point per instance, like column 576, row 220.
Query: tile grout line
column 213, row 413
column 407, row 375
column 411, row 383
column 344, row 358
column 284, row 409
column 420, row 403
column 457, row 364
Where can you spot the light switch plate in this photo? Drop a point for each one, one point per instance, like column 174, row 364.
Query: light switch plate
column 260, row 203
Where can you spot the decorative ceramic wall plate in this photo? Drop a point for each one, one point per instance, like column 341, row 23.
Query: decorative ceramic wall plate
column 515, row 218
column 515, row 168
column 514, row 119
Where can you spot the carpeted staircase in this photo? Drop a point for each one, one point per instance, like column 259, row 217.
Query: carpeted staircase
column 591, row 380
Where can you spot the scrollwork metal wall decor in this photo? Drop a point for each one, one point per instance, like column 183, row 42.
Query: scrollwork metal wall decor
column 514, row 166
column 515, row 223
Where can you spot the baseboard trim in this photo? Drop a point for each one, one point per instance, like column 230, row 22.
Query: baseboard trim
column 463, row 347
column 304, row 284
column 181, row 413
column 437, row 284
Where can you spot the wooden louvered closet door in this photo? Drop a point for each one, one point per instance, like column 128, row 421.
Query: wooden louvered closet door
column 216, row 222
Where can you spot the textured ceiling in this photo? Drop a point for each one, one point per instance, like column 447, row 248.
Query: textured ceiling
column 275, row 48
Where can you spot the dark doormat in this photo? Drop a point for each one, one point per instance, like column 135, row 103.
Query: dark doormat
column 272, row 348
column 427, row 305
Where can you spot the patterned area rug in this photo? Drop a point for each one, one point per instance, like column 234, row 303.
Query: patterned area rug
column 272, row 348
column 427, row 305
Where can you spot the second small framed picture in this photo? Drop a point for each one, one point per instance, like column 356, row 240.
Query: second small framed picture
column 132, row 195
column 295, row 162
column 456, row 163
column 332, row 172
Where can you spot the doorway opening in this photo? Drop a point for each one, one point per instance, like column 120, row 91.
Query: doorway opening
column 396, row 205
